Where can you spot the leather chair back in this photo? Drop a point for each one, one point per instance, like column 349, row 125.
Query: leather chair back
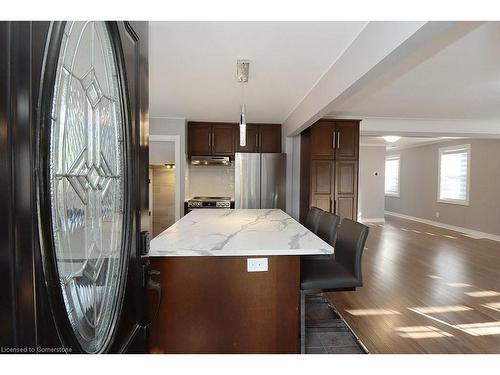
column 327, row 228
column 312, row 219
column 349, row 246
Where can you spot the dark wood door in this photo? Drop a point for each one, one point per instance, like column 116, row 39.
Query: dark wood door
column 252, row 139
column 270, row 138
column 347, row 140
column 199, row 139
column 322, row 184
column 346, row 187
column 222, row 140
column 322, row 140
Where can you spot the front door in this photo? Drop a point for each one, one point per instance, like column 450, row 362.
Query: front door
column 76, row 139
column 92, row 183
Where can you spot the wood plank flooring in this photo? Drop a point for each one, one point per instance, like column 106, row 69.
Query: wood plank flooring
column 426, row 290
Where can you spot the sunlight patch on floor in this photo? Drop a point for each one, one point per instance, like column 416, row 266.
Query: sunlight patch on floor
column 416, row 231
column 481, row 329
column 434, row 277
column 483, row 293
column 421, row 332
column 440, row 309
column 371, row 312
column 430, row 234
column 494, row 306
column 459, row 285
column 448, row 236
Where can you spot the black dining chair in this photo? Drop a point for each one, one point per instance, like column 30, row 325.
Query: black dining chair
column 340, row 273
column 327, row 227
column 312, row 219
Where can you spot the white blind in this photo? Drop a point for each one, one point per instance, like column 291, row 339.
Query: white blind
column 453, row 174
column 392, row 175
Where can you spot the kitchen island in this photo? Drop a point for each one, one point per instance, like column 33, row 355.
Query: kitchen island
column 230, row 280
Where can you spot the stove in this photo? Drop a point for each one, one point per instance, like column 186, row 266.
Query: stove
column 209, row 202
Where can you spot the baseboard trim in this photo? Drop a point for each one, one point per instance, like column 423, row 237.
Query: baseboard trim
column 372, row 220
column 466, row 231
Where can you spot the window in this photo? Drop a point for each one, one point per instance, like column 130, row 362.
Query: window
column 392, row 176
column 454, row 168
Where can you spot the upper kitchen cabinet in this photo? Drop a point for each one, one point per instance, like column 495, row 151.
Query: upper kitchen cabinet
column 322, row 137
column 265, row 138
column 270, row 138
column 222, row 139
column 206, row 139
column 252, row 139
column 347, row 140
column 199, row 138
column 335, row 139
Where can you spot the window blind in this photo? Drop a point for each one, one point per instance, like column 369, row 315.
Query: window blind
column 453, row 174
column 392, row 175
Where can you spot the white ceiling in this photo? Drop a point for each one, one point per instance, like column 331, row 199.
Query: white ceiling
column 403, row 142
column 461, row 81
column 193, row 66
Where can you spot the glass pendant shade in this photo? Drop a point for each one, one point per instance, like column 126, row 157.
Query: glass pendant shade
column 243, row 126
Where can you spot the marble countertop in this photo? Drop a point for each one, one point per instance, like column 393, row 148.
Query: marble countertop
column 225, row 232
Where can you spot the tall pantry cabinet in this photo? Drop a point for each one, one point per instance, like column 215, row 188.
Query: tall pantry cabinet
column 329, row 167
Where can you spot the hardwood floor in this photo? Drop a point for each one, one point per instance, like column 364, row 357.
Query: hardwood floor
column 426, row 290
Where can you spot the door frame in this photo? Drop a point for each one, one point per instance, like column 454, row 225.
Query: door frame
column 177, row 144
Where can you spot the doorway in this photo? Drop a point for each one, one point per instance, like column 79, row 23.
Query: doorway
column 164, row 179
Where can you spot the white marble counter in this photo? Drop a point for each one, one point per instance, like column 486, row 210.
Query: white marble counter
column 218, row 232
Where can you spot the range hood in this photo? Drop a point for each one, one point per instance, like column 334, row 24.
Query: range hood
column 210, row 160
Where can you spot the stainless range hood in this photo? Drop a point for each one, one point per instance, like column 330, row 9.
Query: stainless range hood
column 210, row 160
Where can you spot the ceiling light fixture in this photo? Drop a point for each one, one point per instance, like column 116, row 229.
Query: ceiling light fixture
column 242, row 68
column 391, row 138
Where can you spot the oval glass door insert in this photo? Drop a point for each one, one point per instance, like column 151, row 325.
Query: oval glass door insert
column 87, row 181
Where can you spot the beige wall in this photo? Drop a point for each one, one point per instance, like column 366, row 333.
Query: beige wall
column 419, row 179
column 371, row 182
column 163, row 210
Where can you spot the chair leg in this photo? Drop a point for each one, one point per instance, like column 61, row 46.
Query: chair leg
column 302, row 322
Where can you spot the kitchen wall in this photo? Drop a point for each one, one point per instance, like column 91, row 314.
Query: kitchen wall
column 419, row 179
column 210, row 180
column 371, row 182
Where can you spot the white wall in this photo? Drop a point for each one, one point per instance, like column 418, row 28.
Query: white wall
column 161, row 152
column 173, row 126
column 371, row 198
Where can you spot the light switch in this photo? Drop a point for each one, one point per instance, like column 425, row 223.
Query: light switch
column 257, row 265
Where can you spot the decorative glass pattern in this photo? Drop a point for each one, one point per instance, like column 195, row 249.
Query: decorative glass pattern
column 87, row 162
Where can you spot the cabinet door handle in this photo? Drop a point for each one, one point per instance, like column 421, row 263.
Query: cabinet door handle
column 209, row 140
column 338, row 140
column 257, row 141
column 333, row 140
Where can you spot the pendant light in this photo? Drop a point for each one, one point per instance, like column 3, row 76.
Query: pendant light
column 243, row 126
column 242, row 67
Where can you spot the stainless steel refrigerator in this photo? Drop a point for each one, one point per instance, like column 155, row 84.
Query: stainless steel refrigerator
column 260, row 180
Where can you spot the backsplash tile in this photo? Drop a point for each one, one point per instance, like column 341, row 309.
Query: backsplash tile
column 210, row 180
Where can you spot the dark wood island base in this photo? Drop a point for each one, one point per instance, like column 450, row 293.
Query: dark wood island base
column 213, row 305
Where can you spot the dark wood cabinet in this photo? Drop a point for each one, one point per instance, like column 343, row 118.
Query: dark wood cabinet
column 322, row 140
column 200, row 139
column 347, row 140
column 222, row 139
column 322, row 184
column 270, row 138
column 252, row 141
column 329, row 167
column 260, row 138
column 346, row 189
